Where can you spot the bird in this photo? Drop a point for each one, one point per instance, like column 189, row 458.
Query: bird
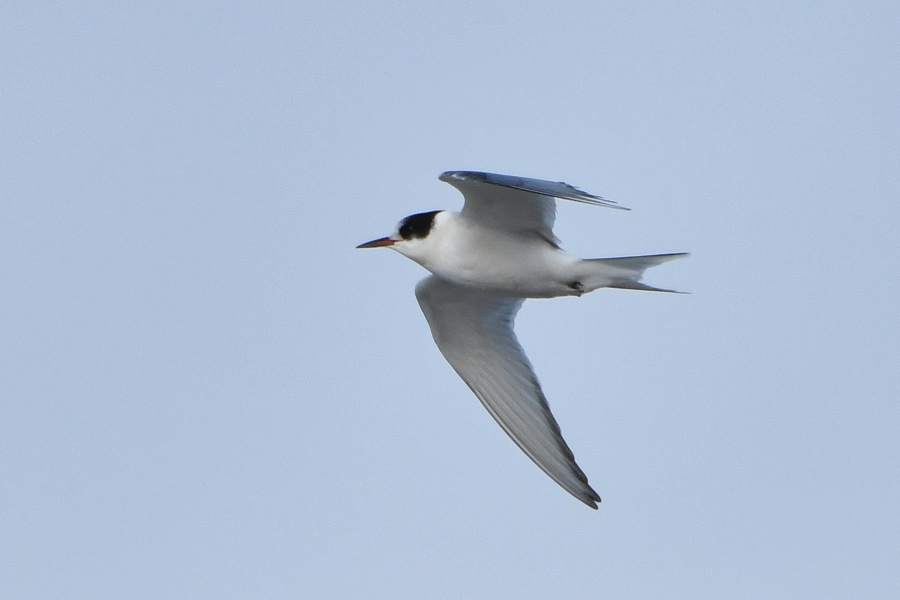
column 485, row 260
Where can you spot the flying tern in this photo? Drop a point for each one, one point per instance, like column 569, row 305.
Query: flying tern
column 485, row 261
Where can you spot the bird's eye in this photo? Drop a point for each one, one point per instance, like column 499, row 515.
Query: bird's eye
column 417, row 226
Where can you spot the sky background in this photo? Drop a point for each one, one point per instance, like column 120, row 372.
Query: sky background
column 207, row 392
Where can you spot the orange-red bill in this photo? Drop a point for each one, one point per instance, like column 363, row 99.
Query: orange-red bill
column 385, row 241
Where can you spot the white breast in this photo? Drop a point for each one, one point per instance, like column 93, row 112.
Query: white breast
column 522, row 265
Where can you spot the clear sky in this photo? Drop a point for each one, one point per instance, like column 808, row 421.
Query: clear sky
column 207, row 392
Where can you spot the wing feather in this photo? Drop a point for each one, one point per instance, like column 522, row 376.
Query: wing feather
column 517, row 204
column 474, row 331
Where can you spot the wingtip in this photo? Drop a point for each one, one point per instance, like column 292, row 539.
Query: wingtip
column 583, row 196
column 590, row 501
column 588, row 496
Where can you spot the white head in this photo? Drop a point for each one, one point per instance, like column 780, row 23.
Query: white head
column 411, row 237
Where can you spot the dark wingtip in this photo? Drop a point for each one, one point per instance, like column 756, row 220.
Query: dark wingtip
column 590, row 497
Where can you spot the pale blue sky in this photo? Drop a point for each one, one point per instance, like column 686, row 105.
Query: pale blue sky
column 207, row 392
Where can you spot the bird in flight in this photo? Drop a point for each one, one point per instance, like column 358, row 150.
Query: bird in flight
column 485, row 261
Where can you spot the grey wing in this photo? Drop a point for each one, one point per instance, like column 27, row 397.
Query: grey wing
column 474, row 331
column 516, row 203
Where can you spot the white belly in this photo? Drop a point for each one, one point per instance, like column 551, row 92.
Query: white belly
column 523, row 267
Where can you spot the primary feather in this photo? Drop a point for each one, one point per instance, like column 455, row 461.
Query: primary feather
column 474, row 331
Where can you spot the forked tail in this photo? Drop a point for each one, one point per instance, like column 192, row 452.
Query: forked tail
column 625, row 272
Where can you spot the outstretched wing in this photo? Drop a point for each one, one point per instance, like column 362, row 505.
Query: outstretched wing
column 474, row 331
column 517, row 204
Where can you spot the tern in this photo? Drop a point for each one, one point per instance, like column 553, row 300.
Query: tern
column 485, row 261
